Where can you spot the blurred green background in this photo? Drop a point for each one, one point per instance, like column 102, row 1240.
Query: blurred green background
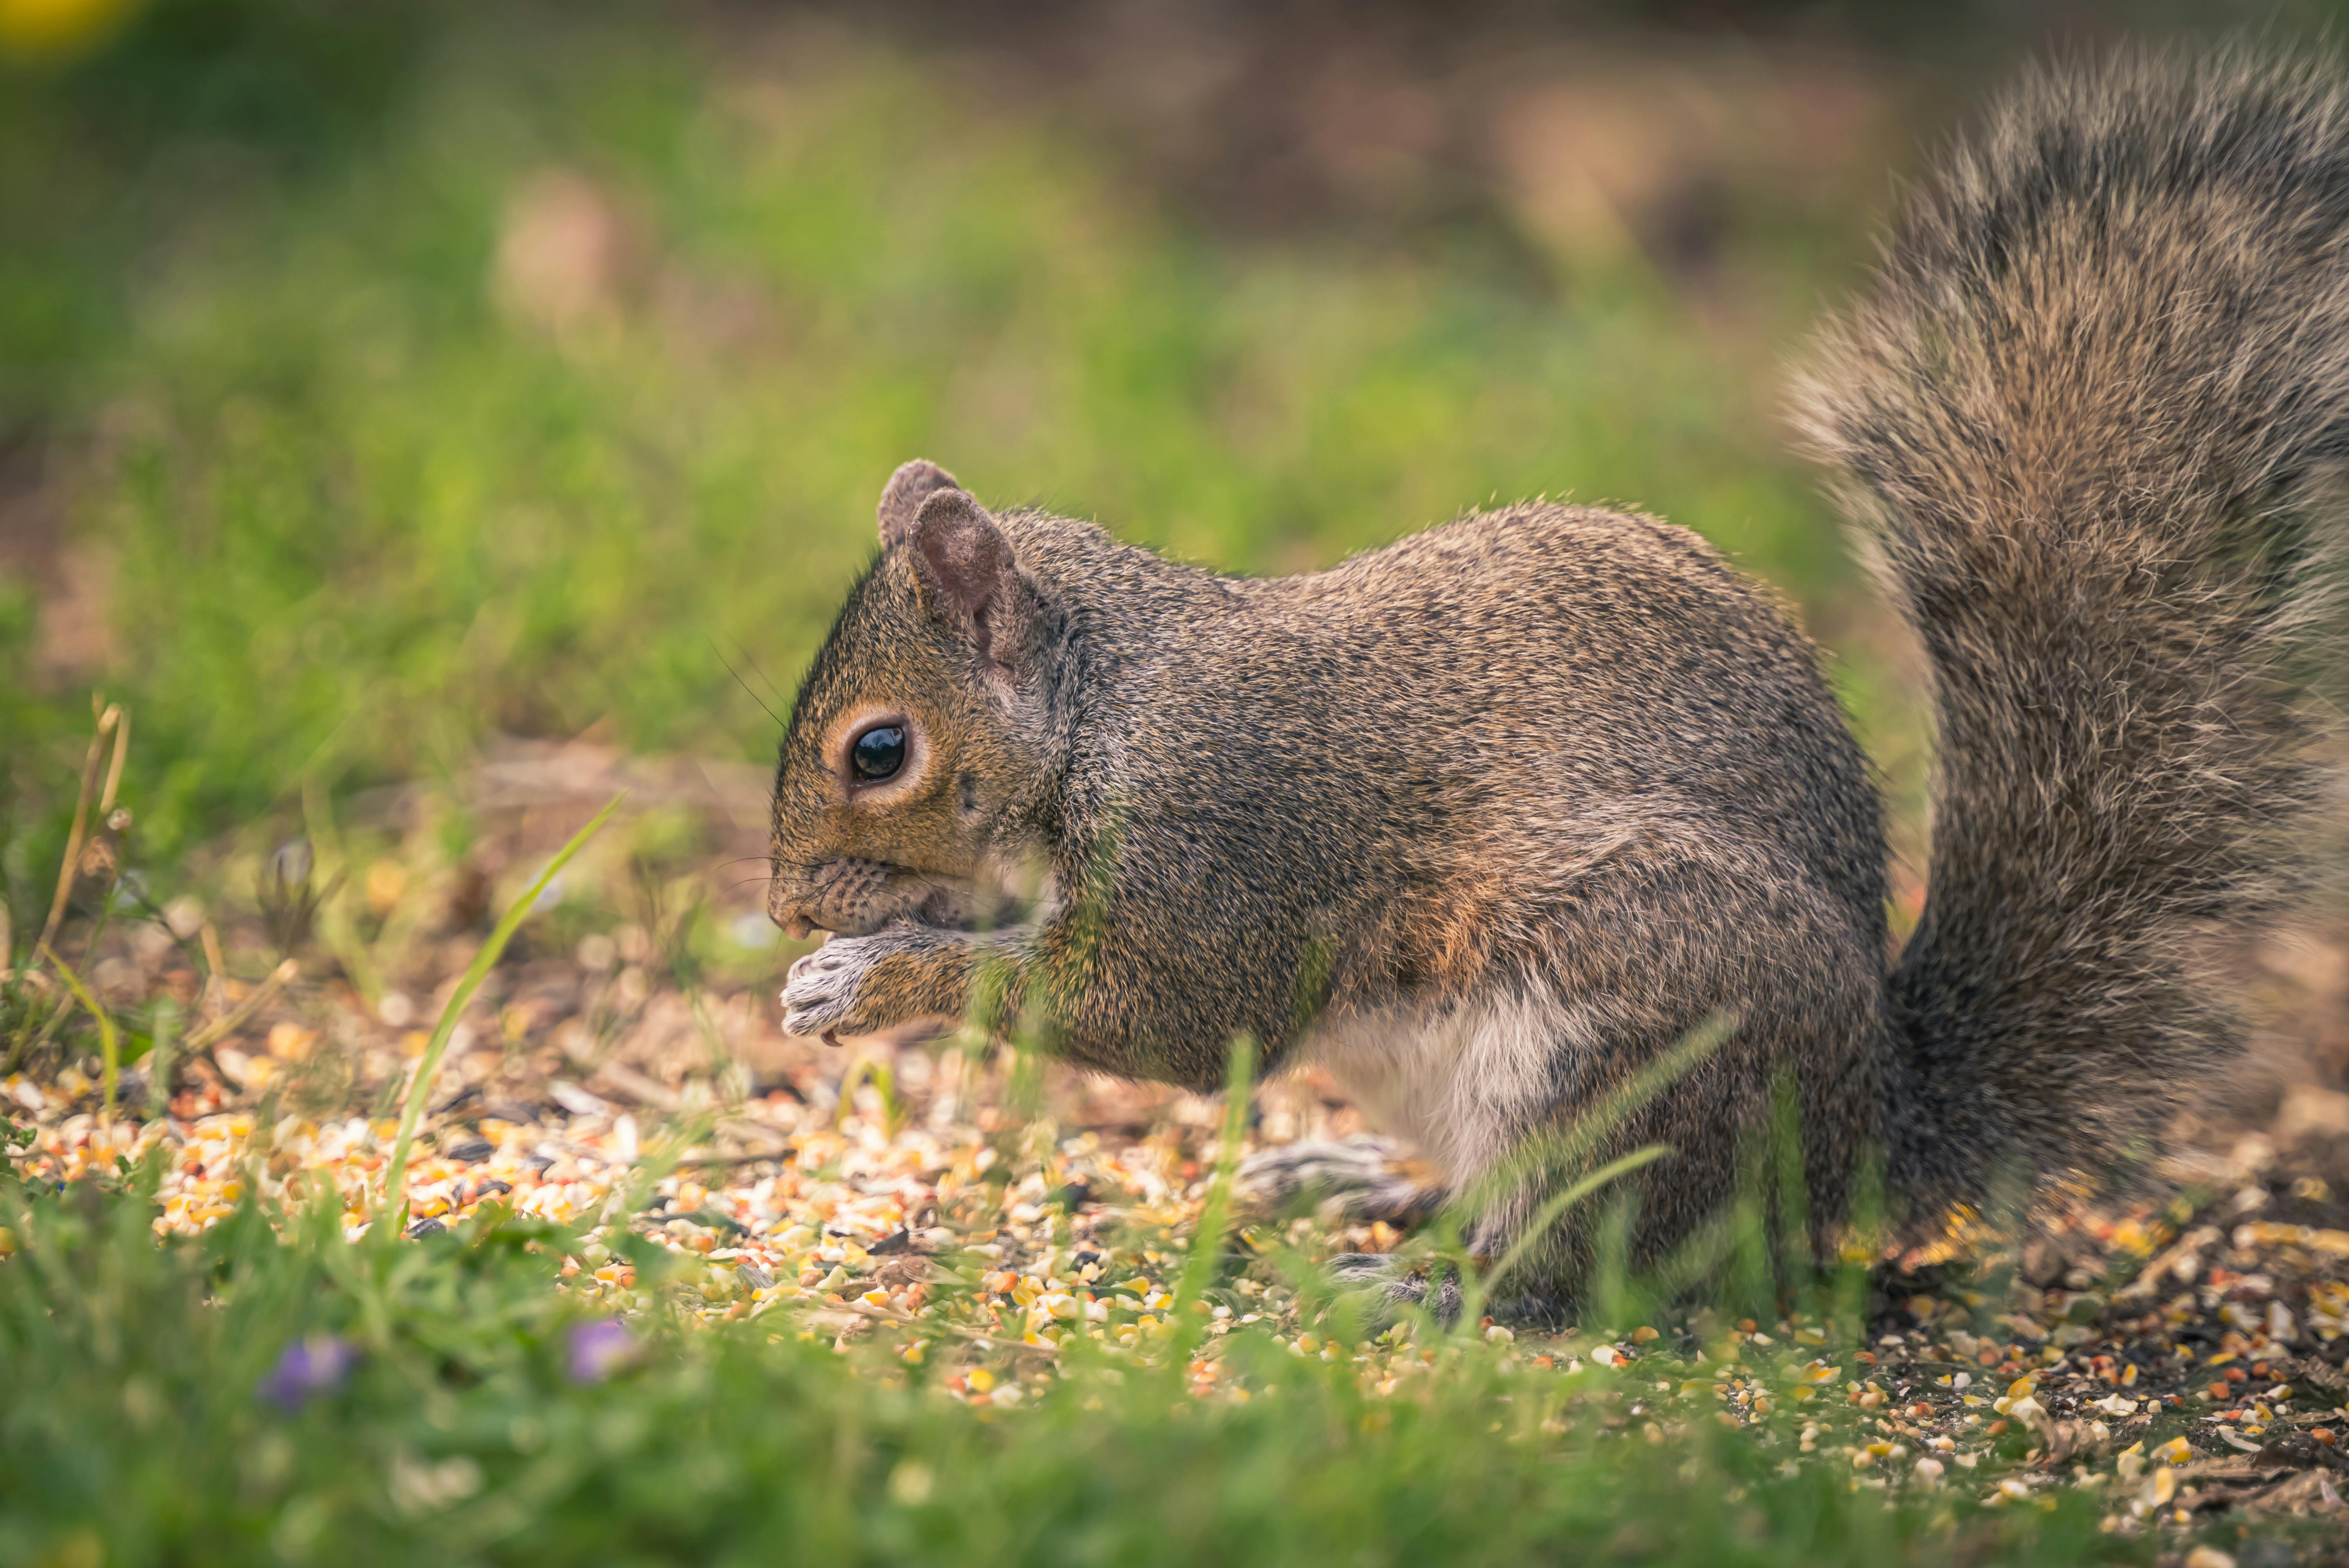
column 376, row 380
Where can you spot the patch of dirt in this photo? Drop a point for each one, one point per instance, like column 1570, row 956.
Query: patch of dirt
column 71, row 580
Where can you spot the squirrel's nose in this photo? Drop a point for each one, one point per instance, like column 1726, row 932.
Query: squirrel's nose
column 795, row 918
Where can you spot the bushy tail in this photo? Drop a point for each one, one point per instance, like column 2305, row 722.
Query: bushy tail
column 2091, row 420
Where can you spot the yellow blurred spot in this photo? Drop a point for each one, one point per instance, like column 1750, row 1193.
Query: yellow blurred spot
column 386, row 879
column 82, row 1549
column 290, row 1042
column 56, row 29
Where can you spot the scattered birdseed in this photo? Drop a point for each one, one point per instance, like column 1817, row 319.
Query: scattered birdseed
column 2177, row 1359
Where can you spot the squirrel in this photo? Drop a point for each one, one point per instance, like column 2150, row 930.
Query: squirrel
column 1486, row 822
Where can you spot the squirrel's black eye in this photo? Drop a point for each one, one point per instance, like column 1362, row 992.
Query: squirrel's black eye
column 878, row 752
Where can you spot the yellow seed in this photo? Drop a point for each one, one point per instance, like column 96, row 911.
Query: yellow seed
column 386, row 881
column 290, row 1042
column 979, row 1378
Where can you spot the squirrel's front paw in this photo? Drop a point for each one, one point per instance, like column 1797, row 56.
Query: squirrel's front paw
column 1360, row 1179
column 821, row 991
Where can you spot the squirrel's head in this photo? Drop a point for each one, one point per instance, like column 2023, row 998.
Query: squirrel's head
column 903, row 762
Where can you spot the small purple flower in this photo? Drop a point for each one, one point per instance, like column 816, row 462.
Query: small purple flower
column 309, row 1368
column 598, row 1349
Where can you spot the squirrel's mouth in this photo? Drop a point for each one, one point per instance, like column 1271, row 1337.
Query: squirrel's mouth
column 855, row 897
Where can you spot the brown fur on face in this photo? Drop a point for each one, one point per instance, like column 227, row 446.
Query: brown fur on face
column 850, row 856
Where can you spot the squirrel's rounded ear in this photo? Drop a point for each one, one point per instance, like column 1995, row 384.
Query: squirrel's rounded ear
column 966, row 569
column 912, row 484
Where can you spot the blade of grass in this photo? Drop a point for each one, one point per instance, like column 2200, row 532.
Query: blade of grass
column 868, row 1070
column 88, row 950
column 114, row 768
column 219, row 1029
column 1548, row 1214
column 1561, row 1151
column 419, row 1088
column 1561, row 1154
column 109, row 1042
column 1796, row 1260
column 1215, row 1215
column 159, row 1058
column 627, row 1199
column 107, row 721
column 333, row 867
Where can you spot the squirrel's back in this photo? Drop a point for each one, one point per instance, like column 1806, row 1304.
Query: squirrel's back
column 1548, row 677
column 2090, row 418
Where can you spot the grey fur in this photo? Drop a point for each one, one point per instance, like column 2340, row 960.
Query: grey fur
column 2093, row 419
column 1486, row 820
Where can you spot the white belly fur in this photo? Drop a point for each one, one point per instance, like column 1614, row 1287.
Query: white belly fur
column 1463, row 1083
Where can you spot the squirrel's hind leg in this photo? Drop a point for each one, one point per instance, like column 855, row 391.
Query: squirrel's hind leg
column 1396, row 1287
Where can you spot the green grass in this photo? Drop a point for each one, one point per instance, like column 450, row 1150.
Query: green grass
column 133, row 1432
